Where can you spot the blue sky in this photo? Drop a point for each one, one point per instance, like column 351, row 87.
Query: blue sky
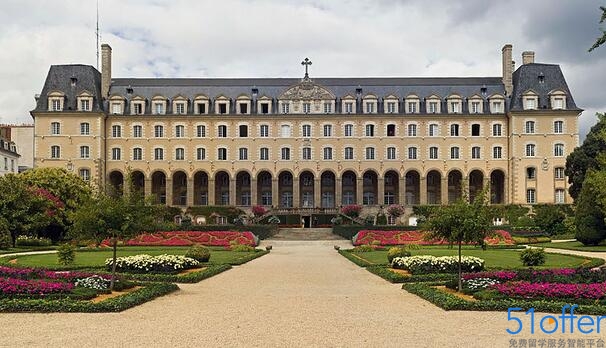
column 269, row 38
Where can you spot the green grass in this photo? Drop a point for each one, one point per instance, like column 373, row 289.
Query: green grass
column 96, row 258
column 574, row 246
column 499, row 258
column 25, row 249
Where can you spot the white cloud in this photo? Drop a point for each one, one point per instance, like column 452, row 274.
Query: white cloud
column 269, row 38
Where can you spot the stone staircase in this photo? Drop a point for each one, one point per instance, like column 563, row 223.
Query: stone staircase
column 305, row 234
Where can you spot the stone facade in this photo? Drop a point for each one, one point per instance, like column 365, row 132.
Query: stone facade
column 314, row 143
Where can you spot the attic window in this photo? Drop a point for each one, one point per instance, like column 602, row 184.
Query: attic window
column 359, row 91
column 73, row 81
column 255, row 91
column 129, row 90
column 483, row 90
column 541, row 78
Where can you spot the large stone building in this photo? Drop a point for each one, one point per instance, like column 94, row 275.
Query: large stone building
column 22, row 136
column 313, row 143
column 9, row 158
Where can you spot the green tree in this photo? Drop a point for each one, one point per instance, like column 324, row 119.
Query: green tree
column 589, row 218
column 112, row 216
column 585, row 157
column 550, row 218
column 22, row 211
column 601, row 40
column 461, row 222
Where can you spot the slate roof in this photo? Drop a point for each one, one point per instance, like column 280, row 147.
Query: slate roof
column 526, row 77
column 59, row 79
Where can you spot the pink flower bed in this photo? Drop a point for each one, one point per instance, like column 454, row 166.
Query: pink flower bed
column 418, row 237
column 186, row 238
column 500, row 275
column 552, row 290
column 29, row 273
column 13, row 286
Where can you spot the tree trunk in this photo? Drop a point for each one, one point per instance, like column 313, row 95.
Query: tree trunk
column 113, row 279
column 460, row 273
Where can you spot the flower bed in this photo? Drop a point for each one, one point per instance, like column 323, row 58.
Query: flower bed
column 35, row 273
column 147, row 263
column 500, row 237
column 425, row 264
column 187, row 238
column 14, row 286
column 527, row 290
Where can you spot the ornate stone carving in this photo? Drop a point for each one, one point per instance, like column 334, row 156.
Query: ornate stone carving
column 307, row 90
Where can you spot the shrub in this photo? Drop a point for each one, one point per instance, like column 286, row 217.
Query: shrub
column 396, row 252
column 235, row 246
column 533, row 256
column 5, row 235
column 352, row 210
column 381, row 219
column 363, row 248
column 94, row 282
column 33, row 241
column 147, row 263
column 259, row 210
column 395, row 210
column 424, row 264
column 66, row 254
column 531, row 240
column 199, row 253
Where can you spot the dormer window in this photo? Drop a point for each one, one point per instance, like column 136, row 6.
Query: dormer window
column 530, row 100
column 243, row 105
column 158, row 108
column 285, row 107
column 180, row 108
column 327, row 107
column 475, row 104
column 454, row 104
column 85, row 101
column 306, row 108
column 348, row 104
column 222, row 105
column 370, row 104
column 55, row 101
column 455, row 107
column 496, row 107
column 433, row 105
column 531, row 104
column 56, row 105
column 84, row 105
column 475, row 107
column 116, row 105
column 264, row 105
column 137, row 106
column 201, row 105
column 412, row 103
column 557, row 99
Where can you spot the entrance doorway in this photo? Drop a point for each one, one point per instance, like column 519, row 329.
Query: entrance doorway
column 306, row 221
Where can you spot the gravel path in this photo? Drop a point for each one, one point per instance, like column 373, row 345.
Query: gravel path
column 303, row 294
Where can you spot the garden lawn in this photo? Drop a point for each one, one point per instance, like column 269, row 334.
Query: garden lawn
column 96, row 258
column 573, row 246
column 496, row 258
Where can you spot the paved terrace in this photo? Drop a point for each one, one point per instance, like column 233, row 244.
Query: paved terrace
column 303, row 294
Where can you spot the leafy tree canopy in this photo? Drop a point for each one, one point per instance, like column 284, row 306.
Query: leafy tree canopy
column 585, row 157
column 601, row 40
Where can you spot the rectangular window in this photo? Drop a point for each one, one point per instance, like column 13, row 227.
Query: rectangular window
column 391, row 153
column 264, row 154
column 243, row 154
column 85, row 174
column 285, row 108
column 84, row 152
column 222, row 154
column 370, row 153
column 306, row 108
column 84, row 105
column 285, row 131
column 475, row 107
column 200, row 154
column 56, row 105
column 159, row 108
column 243, row 131
column 529, row 127
column 137, row 131
column 370, row 130
column 264, row 108
column 558, row 103
column 560, row 196
column 116, row 131
column 285, row 152
column 307, row 153
column 348, row 130
column 264, row 131
column 180, row 108
column 222, row 108
column 497, row 152
column 497, row 130
column 349, row 153
column 84, row 129
column 327, row 108
column 433, row 107
column 327, row 130
column 201, row 131
column 475, row 130
column 55, row 128
column 138, row 108
column 116, row 154
column 433, row 130
column 475, row 152
column 137, row 154
column 159, row 154
column 179, row 154
column 433, row 152
column 454, row 130
column 454, row 107
column 559, row 173
column 348, row 108
column 412, row 153
column 454, row 152
column 370, row 107
column 530, row 150
column 412, row 108
column 412, row 130
column 306, row 130
column 531, row 103
column 55, row 151
column 201, row 108
column 244, row 108
column 159, row 131
column 327, row 153
column 179, row 131
column 558, row 127
column 222, row 131
column 531, row 196
column 391, row 107
column 496, row 107
column 116, row 108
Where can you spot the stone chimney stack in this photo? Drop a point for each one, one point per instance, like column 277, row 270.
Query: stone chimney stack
column 106, row 69
column 527, row 57
column 508, row 68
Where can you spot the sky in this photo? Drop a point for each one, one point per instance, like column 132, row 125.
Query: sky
column 269, row 38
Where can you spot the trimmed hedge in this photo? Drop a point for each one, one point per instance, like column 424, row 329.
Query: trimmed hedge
column 349, row 231
column 450, row 302
column 149, row 292
column 393, row 277
column 351, row 256
column 193, row 277
column 531, row 240
column 261, row 231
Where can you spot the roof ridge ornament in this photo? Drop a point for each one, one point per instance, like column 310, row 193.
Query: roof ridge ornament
column 306, row 62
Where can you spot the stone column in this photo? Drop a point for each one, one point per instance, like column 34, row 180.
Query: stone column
column 190, row 192
column 338, row 193
column 444, row 191
column 169, row 191
column 232, row 192
column 402, row 191
column 296, row 193
column 317, row 192
column 465, row 187
column 380, row 191
column 253, row 192
column 211, row 191
column 147, row 187
column 423, row 190
column 359, row 190
column 275, row 193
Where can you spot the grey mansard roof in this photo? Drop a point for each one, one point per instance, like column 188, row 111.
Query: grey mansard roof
column 526, row 78
column 88, row 78
column 59, row 79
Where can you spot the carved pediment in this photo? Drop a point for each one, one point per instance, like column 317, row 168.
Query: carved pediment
column 307, row 90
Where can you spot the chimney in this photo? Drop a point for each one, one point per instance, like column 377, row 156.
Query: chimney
column 527, row 57
column 106, row 69
column 508, row 68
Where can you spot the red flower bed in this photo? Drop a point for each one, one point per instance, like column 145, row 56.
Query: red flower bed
column 186, row 238
column 417, row 237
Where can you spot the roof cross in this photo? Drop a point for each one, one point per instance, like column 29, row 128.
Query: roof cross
column 307, row 63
